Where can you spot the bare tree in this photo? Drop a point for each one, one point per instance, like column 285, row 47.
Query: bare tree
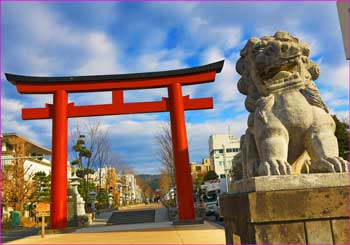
column 103, row 156
column 17, row 184
column 164, row 182
column 165, row 151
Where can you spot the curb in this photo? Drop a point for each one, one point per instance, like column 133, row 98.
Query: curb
column 214, row 224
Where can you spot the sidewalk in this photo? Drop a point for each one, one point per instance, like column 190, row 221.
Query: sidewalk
column 136, row 234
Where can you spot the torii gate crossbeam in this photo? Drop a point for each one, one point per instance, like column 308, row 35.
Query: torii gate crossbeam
column 61, row 110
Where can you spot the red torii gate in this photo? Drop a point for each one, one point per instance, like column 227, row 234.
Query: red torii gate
column 61, row 110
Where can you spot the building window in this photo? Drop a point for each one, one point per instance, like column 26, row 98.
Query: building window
column 198, row 168
column 221, row 163
column 222, row 176
column 216, row 152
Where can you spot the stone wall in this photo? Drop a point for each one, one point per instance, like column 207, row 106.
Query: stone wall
column 318, row 215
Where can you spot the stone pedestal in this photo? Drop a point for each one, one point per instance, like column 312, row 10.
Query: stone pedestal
column 303, row 209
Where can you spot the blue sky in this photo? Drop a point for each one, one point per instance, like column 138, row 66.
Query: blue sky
column 52, row 39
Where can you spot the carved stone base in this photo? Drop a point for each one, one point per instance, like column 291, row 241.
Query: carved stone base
column 305, row 212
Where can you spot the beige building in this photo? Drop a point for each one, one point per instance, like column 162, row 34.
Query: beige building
column 222, row 149
column 198, row 170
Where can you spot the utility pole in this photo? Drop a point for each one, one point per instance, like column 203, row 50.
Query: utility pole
column 225, row 168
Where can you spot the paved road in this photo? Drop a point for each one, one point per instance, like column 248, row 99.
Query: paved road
column 22, row 233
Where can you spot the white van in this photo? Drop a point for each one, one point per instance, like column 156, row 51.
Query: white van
column 217, row 210
column 209, row 201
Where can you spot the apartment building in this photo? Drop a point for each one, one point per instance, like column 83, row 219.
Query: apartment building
column 222, row 149
column 130, row 192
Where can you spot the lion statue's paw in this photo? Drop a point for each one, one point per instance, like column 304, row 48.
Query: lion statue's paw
column 330, row 165
column 274, row 167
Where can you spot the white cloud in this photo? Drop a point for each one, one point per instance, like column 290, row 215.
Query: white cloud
column 36, row 100
column 11, row 122
column 336, row 78
column 131, row 127
column 334, row 86
column 310, row 40
column 206, row 33
column 90, row 52
column 225, row 86
column 343, row 115
column 91, row 98
column 10, row 106
column 160, row 59
column 198, row 133
column 102, row 55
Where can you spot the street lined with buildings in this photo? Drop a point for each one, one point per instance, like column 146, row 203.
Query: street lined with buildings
column 35, row 158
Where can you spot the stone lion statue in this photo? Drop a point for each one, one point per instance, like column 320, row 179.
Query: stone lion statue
column 290, row 129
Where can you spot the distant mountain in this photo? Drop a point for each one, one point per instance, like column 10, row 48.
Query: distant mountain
column 151, row 180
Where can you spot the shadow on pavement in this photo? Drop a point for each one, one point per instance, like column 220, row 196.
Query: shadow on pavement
column 15, row 235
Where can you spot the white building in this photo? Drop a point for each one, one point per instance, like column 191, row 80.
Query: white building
column 104, row 175
column 222, row 149
column 36, row 159
column 130, row 192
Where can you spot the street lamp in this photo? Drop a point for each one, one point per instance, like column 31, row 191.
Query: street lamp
column 110, row 200
column 129, row 194
column 225, row 168
column 120, row 200
column 110, row 197
column 93, row 198
column 132, row 198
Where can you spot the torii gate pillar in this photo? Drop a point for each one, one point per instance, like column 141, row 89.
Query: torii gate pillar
column 181, row 156
column 59, row 160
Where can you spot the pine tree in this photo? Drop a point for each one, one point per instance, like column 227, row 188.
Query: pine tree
column 342, row 134
column 43, row 186
column 210, row 175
